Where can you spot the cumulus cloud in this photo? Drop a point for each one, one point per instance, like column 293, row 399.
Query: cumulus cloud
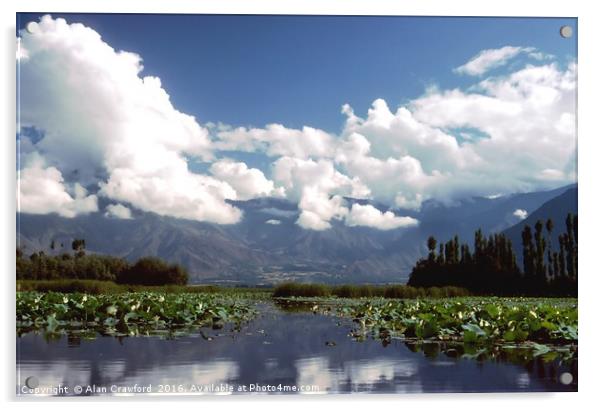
column 112, row 130
column 529, row 121
column 118, row 211
column 318, row 188
column 492, row 58
column 368, row 215
column 526, row 140
column 520, row 214
column 247, row 182
column 22, row 53
column 107, row 125
column 273, row 222
column 277, row 140
column 42, row 190
column 174, row 192
column 393, row 175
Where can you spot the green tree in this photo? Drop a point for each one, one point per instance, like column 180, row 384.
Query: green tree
column 153, row 271
column 562, row 239
column 549, row 229
column 570, row 245
column 431, row 243
column 528, row 252
column 79, row 246
column 540, row 249
column 456, row 250
column 441, row 256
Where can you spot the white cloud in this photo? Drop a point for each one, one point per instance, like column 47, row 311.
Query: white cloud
column 319, row 207
column 318, row 188
column 492, row 58
column 552, row 174
column 41, row 190
column 393, row 180
column 528, row 118
column 109, row 126
column 277, row 140
column 406, row 201
column 538, row 55
column 22, row 53
column 526, row 140
column 273, row 222
column 313, row 221
column 368, row 215
column 118, row 211
column 174, row 192
column 520, row 214
column 247, row 182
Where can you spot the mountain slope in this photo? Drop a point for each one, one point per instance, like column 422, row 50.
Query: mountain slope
column 555, row 209
column 267, row 245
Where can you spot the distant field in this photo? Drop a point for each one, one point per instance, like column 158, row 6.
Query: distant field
column 283, row 290
column 290, row 289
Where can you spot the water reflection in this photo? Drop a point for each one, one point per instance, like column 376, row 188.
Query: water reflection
column 288, row 348
column 360, row 375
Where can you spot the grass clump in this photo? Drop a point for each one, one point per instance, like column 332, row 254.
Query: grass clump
column 100, row 287
column 93, row 287
column 290, row 289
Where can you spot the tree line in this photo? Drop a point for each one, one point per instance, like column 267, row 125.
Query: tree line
column 490, row 267
column 79, row 265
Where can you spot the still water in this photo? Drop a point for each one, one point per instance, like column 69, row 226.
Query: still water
column 278, row 352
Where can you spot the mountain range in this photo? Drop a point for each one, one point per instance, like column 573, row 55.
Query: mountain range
column 555, row 209
column 267, row 246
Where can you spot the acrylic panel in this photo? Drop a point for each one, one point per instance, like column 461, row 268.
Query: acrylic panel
column 283, row 204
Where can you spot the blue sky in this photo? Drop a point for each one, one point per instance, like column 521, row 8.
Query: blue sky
column 312, row 109
column 300, row 70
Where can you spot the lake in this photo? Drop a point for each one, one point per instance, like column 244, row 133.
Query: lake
column 281, row 351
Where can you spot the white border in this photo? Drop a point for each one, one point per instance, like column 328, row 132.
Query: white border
column 347, row 7
column 589, row 115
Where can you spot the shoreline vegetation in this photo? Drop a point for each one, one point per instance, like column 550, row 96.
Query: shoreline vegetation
column 146, row 271
column 491, row 267
column 395, row 291
column 97, row 287
column 283, row 290
column 458, row 295
column 293, row 291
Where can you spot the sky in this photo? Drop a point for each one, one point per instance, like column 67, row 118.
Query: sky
column 308, row 108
